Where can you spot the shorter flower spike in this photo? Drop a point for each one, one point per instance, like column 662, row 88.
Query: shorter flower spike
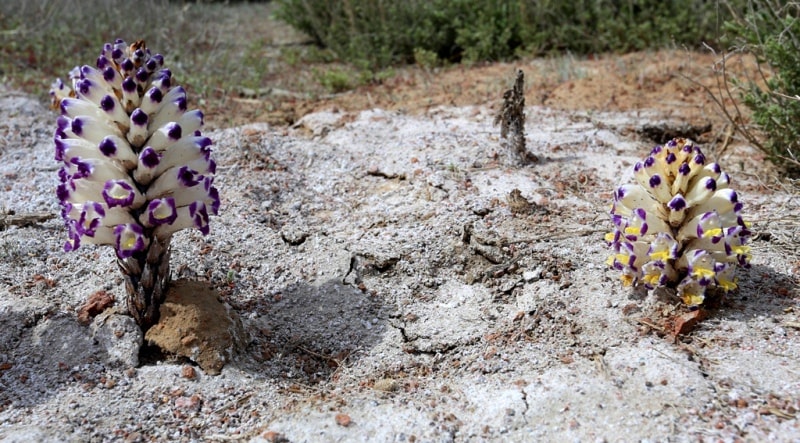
column 679, row 226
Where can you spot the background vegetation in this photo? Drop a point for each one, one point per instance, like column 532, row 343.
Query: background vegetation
column 770, row 30
column 383, row 32
column 216, row 52
column 43, row 38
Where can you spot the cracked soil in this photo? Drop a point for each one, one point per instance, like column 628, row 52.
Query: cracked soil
column 400, row 279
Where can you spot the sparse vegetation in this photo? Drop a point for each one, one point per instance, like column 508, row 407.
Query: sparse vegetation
column 35, row 47
column 335, row 80
column 218, row 50
column 770, row 31
column 213, row 55
column 209, row 54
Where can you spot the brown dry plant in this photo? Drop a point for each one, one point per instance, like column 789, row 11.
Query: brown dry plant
column 511, row 119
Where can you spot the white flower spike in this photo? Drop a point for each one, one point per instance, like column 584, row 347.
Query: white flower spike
column 135, row 167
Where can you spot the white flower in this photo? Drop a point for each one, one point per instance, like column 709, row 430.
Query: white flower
column 127, row 141
column 135, row 167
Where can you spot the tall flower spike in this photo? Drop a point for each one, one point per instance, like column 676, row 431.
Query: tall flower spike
column 679, row 226
column 135, row 167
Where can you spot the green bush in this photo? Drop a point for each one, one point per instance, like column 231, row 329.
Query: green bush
column 770, row 30
column 376, row 33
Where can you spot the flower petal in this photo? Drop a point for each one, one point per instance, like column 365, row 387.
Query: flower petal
column 130, row 239
column 159, row 211
column 193, row 216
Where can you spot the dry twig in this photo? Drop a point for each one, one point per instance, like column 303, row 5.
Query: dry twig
column 11, row 219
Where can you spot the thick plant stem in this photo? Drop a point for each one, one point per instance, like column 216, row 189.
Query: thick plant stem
column 512, row 122
column 147, row 276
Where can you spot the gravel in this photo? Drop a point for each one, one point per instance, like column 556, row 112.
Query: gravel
column 400, row 281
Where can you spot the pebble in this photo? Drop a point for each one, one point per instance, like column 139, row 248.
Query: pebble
column 532, row 275
column 343, row 420
column 386, row 385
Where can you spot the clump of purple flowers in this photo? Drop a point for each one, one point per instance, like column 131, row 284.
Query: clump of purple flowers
column 136, row 168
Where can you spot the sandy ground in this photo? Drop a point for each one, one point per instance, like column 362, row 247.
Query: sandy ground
column 399, row 279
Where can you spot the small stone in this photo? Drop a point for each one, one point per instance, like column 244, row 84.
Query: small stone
column 188, row 372
column 508, row 285
column 386, row 385
column 294, row 235
column 687, row 322
column 436, row 180
column 188, row 403
column 274, row 437
column 343, row 420
column 741, row 403
column 121, row 338
column 470, row 278
column 532, row 275
column 98, row 302
column 481, row 209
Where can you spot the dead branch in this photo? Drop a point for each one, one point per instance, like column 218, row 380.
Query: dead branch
column 12, row 219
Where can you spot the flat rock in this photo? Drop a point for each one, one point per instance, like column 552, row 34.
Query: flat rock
column 120, row 336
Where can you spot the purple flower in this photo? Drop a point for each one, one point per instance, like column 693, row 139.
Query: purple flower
column 161, row 211
column 91, row 214
column 118, row 193
column 130, row 239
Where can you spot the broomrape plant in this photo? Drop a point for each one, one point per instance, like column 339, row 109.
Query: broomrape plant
column 679, row 225
column 136, row 168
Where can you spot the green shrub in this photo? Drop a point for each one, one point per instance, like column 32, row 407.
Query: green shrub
column 335, row 80
column 380, row 32
column 770, row 30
